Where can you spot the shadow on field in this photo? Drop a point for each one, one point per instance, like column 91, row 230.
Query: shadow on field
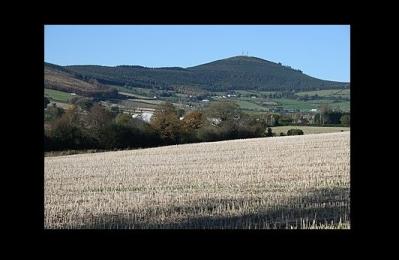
column 322, row 206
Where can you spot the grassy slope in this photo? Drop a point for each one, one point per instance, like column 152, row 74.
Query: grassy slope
column 57, row 95
column 62, row 80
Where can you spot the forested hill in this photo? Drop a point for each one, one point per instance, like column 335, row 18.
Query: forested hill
column 243, row 72
column 240, row 72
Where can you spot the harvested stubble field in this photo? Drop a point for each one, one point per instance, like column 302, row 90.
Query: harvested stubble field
column 262, row 183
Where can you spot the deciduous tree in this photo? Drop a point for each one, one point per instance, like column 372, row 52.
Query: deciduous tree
column 345, row 119
column 99, row 117
column 166, row 122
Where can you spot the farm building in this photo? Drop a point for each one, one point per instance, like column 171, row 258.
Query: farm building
column 145, row 116
column 214, row 121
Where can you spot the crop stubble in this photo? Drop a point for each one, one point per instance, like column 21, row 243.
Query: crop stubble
column 281, row 182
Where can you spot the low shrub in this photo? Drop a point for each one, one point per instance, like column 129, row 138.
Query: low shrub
column 295, row 132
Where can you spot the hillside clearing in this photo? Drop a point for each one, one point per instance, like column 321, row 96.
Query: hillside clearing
column 286, row 182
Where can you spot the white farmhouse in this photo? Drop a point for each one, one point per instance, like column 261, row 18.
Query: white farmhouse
column 214, row 121
column 145, row 116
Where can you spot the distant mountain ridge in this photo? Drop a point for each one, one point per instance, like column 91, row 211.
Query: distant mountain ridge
column 235, row 73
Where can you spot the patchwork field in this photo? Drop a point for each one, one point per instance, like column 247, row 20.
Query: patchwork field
column 261, row 183
column 327, row 93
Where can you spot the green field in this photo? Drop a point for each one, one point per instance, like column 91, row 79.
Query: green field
column 309, row 129
column 294, row 104
column 253, row 92
column 144, row 92
column 246, row 105
column 342, row 105
column 307, row 105
column 147, row 103
column 327, row 93
column 133, row 95
column 255, row 104
column 56, row 95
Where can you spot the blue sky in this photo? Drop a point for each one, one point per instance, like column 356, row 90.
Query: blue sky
column 321, row 51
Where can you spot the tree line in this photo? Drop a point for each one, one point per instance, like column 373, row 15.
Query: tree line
column 90, row 125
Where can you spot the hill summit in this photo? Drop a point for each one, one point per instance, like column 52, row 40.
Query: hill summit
column 234, row 73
